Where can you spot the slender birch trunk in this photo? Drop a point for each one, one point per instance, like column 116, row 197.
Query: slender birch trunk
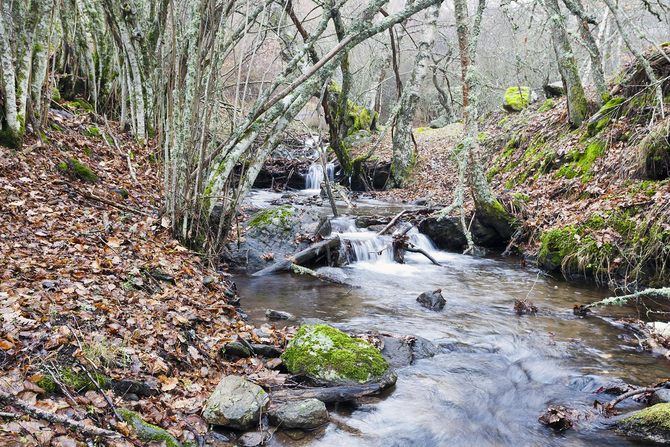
column 404, row 154
column 567, row 65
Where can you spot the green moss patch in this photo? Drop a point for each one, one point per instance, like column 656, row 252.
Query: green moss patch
column 603, row 117
column 580, row 163
column 145, row 431
column 76, row 169
column 279, row 216
column 547, row 105
column 326, row 354
column 516, row 98
column 651, row 423
column 74, row 379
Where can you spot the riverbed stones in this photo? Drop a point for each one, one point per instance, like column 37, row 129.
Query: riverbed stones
column 235, row 403
column 236, row 349
column 328, row 355
column 432, row 300
column 304, row 414
column 272, row 314
column 661, row 396
column 651, row 424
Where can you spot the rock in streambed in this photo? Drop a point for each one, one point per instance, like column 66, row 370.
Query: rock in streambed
column 235, row 403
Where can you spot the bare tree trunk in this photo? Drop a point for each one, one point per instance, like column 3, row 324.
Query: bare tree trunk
column 404, row 155
column 12, row 129
column 595, row 58
column 567, row 65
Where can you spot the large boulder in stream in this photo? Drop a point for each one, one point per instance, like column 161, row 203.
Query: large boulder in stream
column 446, row 233
column 270, row 235
column 235, row 403
column 651, row 424
column 328, row 355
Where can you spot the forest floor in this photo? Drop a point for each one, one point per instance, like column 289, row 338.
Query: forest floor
column 91, row 282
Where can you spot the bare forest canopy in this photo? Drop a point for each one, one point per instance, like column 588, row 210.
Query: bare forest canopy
column 216, row 84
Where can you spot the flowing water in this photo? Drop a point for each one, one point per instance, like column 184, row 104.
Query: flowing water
column 315, row 176
column 498, row 371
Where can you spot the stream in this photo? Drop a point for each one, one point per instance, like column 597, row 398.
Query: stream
column 498, row 371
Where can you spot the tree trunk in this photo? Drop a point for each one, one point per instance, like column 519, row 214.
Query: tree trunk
column 567, row 65
column 404, row 155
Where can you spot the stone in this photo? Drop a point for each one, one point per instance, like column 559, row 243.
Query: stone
column 516, row 98
column 651, row 424
column 235, row 403
column 253, row 439
column 237, row 349
column 661, row 396
column 446, row 233
column 397, row 351
column 554, row 89
column 423, row 348
column 272, row 314
column 328, row 355
column 267, row 351
column 303, row 414
column 432, row 300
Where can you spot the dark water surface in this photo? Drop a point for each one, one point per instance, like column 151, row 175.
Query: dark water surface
column 499, row 371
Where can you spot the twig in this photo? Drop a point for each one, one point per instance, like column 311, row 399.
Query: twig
column 90, row 196
column 391, row 223
column 76, row 426
column 611, row 404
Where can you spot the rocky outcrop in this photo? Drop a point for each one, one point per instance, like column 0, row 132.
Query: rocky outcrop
column 303, row 414
column 651, row 424
column 235, row 403
column 432, row 300
column 328, row 355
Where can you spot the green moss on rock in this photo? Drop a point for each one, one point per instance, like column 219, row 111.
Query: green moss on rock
column 145, row 431
column 279, row 216
column 326, row 354
column 76, row 169
column 580, row 163
column 516, row 98
column 651, row 423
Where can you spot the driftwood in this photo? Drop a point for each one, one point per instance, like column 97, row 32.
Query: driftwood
column 300, row 270
column 301, row 257
column 77, row 426
column 393, row 221
column 414, row 249
column 613, row 403
column 341, row 393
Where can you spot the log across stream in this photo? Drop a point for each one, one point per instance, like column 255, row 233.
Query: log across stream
column 497, row 372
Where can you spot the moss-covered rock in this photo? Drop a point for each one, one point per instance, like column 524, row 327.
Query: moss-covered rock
column 651, row 424
column 326, row 354
column 580, row 162
column 76, row 169
column 145, row 431
column 93, row 131
column 279, row 216
column 10, row 139
column 516, row 98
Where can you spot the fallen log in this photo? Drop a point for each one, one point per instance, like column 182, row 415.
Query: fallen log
column 77, row 426
column 301, row 257
column 300, row 270
column 341, row 393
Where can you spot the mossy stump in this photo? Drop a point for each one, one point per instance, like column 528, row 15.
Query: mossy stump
column 328, row 355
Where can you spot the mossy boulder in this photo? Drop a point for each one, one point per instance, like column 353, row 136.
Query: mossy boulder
column 328, row 355
column 145, row 431
column 651, row 424
column 654, row 152
column 516, row 98
column 78, row 170
column 278, row 217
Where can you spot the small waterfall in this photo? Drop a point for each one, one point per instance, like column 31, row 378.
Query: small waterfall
column 366, row 246
column 314, row 175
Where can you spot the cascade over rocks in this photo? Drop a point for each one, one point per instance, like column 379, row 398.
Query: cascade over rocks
column 235, row 403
